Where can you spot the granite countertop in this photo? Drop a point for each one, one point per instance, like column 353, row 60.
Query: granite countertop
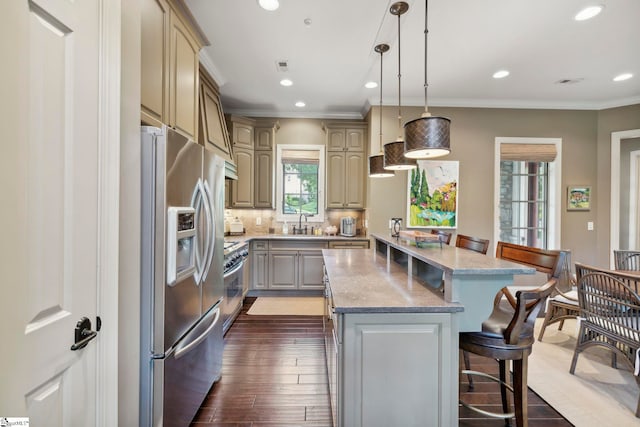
column 265, row 236
column 362, row 282
column 458, row 261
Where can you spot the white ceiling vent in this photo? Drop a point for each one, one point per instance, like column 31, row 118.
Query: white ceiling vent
column 282, row 65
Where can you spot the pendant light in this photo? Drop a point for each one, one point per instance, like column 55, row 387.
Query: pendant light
column 376, row 162
column 394, row 158
column 428, row 136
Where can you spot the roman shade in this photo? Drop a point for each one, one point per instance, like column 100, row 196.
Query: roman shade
column 301, row 156
column 528, row 152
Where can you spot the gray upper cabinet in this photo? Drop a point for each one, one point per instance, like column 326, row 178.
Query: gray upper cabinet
column 264, row 144
column 170, row 45
column 345, row 139
column 154, row 62
column 345, row 165
column 263, row 186
column 241, row 129
column 253, row 142
column 242, row 188
column 264, row 137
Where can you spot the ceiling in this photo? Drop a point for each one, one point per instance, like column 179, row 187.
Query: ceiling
column 331, row 59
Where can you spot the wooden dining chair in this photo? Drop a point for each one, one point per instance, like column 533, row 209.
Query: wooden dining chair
column 507, row 335
column 610, row 315
column 563, row 303
column 444, row 236
column 626, row 260
column 472, row 243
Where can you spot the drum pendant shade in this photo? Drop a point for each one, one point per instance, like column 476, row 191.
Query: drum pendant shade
column 427, row 137
column 376, row 167
column 394, row 158
column 376, row 162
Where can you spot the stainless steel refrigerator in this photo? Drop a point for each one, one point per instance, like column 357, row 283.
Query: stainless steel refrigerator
column 182, row 276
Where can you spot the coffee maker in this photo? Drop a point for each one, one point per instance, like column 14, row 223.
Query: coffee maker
column 347, row 226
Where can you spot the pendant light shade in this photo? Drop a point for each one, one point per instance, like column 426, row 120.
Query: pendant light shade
column 376, row 167
column 428, row 136
column 394, row 158
column 376, row 162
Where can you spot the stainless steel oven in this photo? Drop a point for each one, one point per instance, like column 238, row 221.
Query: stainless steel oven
column 234, row 263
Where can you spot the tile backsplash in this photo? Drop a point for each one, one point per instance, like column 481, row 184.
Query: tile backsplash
column 266, row 217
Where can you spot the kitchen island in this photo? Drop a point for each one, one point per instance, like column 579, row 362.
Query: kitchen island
column 392, row 339
column 392, row 344
column 469, row 278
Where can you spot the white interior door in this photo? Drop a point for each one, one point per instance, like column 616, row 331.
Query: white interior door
column 50, row 190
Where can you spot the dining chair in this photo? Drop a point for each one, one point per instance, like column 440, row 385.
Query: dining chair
column 444, row 236
column 507, row 335
column 627, row 260
column 563, row 303
column 610, row 316
column 472, row 243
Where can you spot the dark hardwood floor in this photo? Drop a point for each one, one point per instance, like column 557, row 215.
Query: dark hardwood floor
column 274, row 374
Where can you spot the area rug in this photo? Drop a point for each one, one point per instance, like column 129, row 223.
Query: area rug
column 597, row 395
column 287, row 306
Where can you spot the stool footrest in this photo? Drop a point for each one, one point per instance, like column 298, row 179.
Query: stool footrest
column 482, row 411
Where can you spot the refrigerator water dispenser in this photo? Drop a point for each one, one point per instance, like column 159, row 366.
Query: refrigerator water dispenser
column 181, row 244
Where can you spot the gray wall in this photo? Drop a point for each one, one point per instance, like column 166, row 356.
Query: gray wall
column 626, row 147
column 586, row 144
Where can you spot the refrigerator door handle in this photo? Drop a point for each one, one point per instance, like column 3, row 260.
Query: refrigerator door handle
column 210, row 229
column 182, row 350
column 197, row 201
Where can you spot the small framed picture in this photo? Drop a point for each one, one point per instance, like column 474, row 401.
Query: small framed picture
column 579, row 198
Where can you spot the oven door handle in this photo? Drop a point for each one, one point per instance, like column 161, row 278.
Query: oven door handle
column 234, row 270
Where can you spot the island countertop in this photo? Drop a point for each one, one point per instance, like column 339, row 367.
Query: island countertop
column 456, row 261
column 362, row 281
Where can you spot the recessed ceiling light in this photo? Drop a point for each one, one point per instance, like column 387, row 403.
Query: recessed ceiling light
column 500, row 74
column 300, row 104
column 588, row 12
column 622, row 77
column 269, row 5
column 371, row 85
column 286, row 82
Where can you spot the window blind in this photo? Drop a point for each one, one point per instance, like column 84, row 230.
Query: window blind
column 301, row 156
column 528, row 152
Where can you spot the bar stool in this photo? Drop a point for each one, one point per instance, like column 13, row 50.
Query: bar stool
column 508, row 336
column 444, row 236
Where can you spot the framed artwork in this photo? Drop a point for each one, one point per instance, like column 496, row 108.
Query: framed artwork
column 432, row 195
column 578, row 198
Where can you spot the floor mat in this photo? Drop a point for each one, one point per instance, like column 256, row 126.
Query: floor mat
column 287, row 306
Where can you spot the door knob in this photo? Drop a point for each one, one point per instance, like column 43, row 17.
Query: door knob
column 83, row 333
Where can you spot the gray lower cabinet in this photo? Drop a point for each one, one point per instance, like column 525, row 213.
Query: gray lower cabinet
column 283, row 268
column 300, row 270
column 259, row 270
column 310, row 271
column 389, row 368
column 287, row 264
